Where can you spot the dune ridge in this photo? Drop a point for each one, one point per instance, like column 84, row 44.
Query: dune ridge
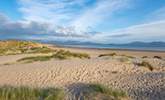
column 123, row 70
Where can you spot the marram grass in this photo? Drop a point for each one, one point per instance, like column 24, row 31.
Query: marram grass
column 61, row 54
column 89, row 92
column 13, row 47
column 98, row 91
column 26, row 93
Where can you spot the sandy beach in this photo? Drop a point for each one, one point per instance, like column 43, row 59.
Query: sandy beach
column 139, row 82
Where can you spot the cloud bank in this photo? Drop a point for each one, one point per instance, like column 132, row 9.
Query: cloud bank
column 33, row 30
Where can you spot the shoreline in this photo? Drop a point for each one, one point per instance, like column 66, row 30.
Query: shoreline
column 106, row 49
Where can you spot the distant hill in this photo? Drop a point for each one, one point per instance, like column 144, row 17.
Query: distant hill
column 132, row 44
column 142, row 44
column 20, row 46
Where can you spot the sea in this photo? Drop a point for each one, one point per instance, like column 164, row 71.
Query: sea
column 118, row 47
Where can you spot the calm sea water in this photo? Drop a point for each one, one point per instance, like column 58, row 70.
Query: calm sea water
column 118, row 47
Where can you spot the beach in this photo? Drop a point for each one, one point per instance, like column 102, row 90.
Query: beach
column 120, row 70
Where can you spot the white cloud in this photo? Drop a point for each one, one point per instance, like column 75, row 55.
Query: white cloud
column 98, row 14
column 153, row 31
column 53, row 11
column 70, row 12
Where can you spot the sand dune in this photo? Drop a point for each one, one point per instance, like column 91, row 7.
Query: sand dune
column 138, row 81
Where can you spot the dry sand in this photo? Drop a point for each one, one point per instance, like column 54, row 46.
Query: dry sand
column 139, row 82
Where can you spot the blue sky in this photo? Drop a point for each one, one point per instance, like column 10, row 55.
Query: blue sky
column 102, row 21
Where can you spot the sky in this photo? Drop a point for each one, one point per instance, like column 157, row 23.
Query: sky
column 99, row 21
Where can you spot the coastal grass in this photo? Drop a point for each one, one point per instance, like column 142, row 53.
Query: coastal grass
column 26, row 93
column 67, row 54
column 145, row 57
column 121, row 58
column 146, row 64
column 93, row 92
column 101, row 92
column 128, row 56
column 12, row 47
column 109, row 54
column 61, row 54
column 157, row 57
column 33, row 59
column 114, row 54
column 124, row 59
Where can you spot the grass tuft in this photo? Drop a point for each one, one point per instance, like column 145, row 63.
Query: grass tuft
column 146, row 64
column 98, row 92
column 158, row 57
column 12, row 47
column 61, row 54
column 33, row 59
column 26, row 93
column 110, row 54
column 68, row 54
column 131, row 57
column 145, row 57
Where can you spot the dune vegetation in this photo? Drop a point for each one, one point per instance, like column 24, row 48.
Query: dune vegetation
column 146, row 64
column 60, row 54
column 12, row 47
column 109, row 54
column 26, row 93
column 101, row 92
column 90, row 92
column 114, row 54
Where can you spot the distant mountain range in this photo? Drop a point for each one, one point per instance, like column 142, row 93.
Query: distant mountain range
column 153, row 46
column 142, row 44
column 132, row 44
